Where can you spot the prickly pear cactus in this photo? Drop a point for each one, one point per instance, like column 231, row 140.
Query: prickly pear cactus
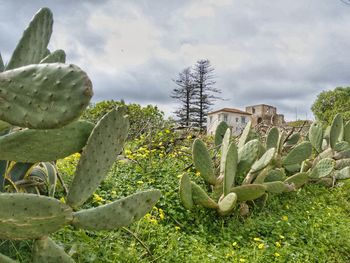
column 247, row 158
column 46, row 98
column 332, row 152
column 251, row 169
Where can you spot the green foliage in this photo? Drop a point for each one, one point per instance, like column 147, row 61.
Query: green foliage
column 329, row 103
column 142, row 119
column 283, row 231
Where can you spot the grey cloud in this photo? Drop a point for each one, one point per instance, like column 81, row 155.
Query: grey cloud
column 292, row 49
column 150, row 82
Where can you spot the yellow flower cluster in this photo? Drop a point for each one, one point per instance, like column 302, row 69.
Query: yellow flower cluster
column 96, row 199
column 72, row 157
column 155, row 215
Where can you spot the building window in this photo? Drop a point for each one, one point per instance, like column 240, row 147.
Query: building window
column 237, row 119
column 210, row 119
column 242, row 119
column 225, row 117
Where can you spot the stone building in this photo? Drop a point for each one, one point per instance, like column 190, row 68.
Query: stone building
column 235, row 118
column 265, row 114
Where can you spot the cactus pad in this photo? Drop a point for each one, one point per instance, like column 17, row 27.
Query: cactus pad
column 263, row 161
column 248, row 192
column 272, row 138
column 247, row 155
column 278, row 187
column 227, row 204
column 275, row 175
column 103, row 146
column 220, row 133
column 298, row 180
column 118, row 213
column 245, row 135
column 347, row 132
column 230, row 168
column 343, row 173
column 4, row 125
column 28, row 216
column 58, row 56
column 200, row 197
column 224, row 147
column 18, row 171
column 186, row 191
column 323, row 168
column 340, row 164
column 4, row 259
column 2, row 66
column 43, row 96
column 203, row 162
column 342, row 146
column 336, row 130
column 316, row 136
column 342, row 155
column 32, row 47
column 45, row 250
column 45, row 145
column 298, row 154
column 293, row 139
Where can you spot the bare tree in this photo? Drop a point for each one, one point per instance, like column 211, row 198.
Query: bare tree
column 203, row 80
column 185, row 93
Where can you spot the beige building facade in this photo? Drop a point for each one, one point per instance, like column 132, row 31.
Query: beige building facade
column 235, row 118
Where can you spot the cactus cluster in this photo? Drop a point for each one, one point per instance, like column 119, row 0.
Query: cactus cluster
column 251, row 168
column 332, row 152
column 41, row 101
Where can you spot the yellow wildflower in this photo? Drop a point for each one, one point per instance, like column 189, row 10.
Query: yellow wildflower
column 139, row 182
column 285, row 218
column 97, row 199
column 242, row 260
column 261, row 246
column 167, row 131
column 161, row 214
column 258, row 239
column 278, row 244
column 198, row 174
column 62, row 200
column 153, row 221
column 234, row 244
column 281, row 237
column 276, row 255
column 177, row 228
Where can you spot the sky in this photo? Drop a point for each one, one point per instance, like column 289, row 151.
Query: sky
column 277, row 52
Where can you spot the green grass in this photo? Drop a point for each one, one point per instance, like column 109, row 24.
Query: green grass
column 310, row 225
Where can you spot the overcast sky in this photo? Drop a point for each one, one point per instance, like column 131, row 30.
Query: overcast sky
column 278, row 52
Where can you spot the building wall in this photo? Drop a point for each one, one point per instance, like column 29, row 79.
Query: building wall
column 235, row 121
column 266, row 114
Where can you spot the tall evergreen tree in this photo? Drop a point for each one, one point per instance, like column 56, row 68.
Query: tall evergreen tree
column 185, row 93
column 203, row 80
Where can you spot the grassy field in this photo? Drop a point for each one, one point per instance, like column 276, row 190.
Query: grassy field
column 310, row 225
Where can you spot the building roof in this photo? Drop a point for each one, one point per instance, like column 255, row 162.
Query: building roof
column 230, row 110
